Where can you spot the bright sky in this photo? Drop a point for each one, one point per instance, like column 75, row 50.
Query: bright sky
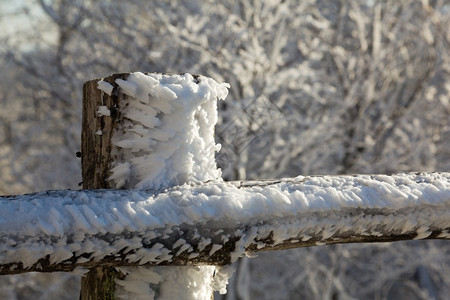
column 23, row 18
column 12, row 16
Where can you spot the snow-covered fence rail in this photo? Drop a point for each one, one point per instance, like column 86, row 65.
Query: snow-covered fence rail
column 216, row 222
column 153, row 196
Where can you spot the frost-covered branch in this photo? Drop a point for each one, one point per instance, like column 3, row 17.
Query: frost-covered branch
column 216, row 222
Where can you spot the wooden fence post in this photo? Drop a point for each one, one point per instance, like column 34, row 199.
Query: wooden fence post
column 131, row 123
column 97, row 130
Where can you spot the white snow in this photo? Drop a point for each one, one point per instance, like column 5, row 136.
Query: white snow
column 105, row 87
column 65, row 223
column 172, row 282
column 103, row 111
column 167, row 137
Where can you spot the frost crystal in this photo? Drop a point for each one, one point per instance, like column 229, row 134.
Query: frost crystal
column 167, row 137
column 105, row 87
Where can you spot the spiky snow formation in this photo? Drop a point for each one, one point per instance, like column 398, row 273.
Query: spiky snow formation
column 195, row 283
column 166, row 139
column 167, row 134
column 192, row 219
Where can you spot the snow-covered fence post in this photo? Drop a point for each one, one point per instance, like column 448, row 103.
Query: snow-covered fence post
column 148, row 132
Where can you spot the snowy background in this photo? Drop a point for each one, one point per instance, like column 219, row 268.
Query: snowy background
column 317, row 87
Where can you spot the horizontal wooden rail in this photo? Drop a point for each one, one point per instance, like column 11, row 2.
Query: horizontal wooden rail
column 216, row 222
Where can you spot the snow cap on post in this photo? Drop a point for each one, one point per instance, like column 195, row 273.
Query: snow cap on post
column 164, row 132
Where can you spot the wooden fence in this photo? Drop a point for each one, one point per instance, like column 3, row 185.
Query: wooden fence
column 152, row 197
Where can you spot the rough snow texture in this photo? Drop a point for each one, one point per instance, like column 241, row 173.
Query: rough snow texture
column 167, row 134
column 194, row 218
column 165, row 138
column 105, row 87
column 198, row 282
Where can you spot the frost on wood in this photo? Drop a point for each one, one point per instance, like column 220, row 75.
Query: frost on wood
column 216, row 222
column 164, row 129
column 172, row 283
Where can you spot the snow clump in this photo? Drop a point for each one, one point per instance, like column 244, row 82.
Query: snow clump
column 167, row 135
